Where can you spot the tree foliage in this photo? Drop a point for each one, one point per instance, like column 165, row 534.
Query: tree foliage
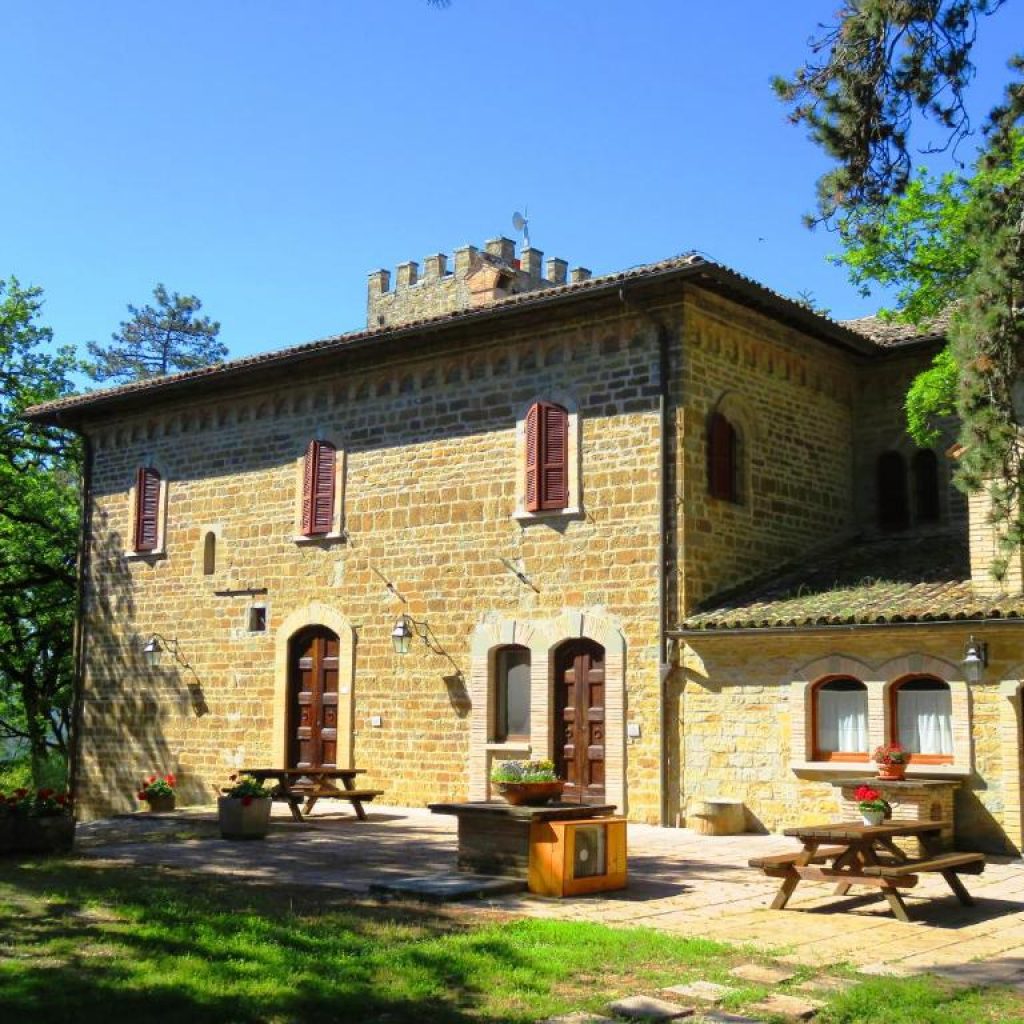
column 39, row 515
column 168, row 337
column 885, row 69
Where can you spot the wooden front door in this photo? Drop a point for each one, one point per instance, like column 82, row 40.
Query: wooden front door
column 313, row 699
column 579, row 722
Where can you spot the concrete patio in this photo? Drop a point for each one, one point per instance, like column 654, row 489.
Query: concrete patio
column 680, row 882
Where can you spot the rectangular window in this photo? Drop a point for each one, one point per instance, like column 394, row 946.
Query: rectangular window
column 512, row 718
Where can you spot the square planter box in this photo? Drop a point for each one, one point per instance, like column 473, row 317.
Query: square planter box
column 241, row 821
column 37, row 835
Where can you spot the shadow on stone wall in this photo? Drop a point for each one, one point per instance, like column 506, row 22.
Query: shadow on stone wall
column 976, row 828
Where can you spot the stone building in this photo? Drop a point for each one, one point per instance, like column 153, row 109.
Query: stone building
column 664, row 526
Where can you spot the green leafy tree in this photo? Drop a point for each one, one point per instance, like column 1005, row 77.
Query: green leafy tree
column 953, row 242
column 39, row 516
column 168, row 337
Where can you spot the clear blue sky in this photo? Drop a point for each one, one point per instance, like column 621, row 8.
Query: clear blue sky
column 266, row 156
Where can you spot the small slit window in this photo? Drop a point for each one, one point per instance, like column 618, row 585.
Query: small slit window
column 922, row 719
column 926, row 486
column 840, row 717
column 512, row 694
column 209, row 554
column 257, row 619
column 891, row 475
column 723, row 459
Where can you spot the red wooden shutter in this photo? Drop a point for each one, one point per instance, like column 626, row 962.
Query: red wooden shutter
column 147, row 508
column 533, row 420
column 555, row 457
column 722, row 458
column 318, row 489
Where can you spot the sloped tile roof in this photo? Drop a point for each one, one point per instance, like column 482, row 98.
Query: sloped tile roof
column 925, row 579
column 891, row 333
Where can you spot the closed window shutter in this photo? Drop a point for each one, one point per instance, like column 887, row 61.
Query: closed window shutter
column 532, row 461
column 147, row 508
column 318, row 489
column 555, row 455
column 722, row 459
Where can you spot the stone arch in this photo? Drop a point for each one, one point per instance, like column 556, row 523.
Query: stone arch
column 315, row 614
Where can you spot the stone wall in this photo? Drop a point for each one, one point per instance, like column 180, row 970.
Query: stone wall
column 742, row 720
column 430, row 476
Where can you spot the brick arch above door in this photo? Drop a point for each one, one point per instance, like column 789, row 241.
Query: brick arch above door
column 542, row 637
column 314, row 614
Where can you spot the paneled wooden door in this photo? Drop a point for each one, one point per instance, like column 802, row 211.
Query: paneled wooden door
column 579, row 721
column 313, row 699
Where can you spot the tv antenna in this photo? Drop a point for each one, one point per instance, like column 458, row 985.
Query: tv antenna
column 521, row 223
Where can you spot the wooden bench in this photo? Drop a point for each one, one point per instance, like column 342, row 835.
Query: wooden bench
column 356, row 797
column 949, row 865
column 778, row 865
column 295, row 785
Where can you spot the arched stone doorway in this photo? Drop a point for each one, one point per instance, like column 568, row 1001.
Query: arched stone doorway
column 312, row 711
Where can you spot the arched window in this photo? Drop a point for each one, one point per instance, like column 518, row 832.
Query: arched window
column 147, row 509
column 547, row 457
column 840, row 714
column 209, row 553
column 892, row 492
column 926, row 486
column 512, row 694
column 922, row 718
column 723, row 459
column 318, row 489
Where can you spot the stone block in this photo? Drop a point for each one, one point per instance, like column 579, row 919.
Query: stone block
column 649, row 1008
column 760, row 974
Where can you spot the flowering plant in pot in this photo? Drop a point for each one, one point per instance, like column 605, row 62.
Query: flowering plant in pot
column 244, row 810
column 532, row 783
column 36, row 822
column 892, row 761
column 158, row 792
column 873, row 809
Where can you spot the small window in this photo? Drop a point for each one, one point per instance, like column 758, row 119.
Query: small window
column 723, row 459
column 257, row 619
column 547, row 458
column 926, row 486
column 512, row 694
column 892, row 492
column 840, row 716
column 147, row 509
column 318, row 489
column 922, row 719
column 210, row 554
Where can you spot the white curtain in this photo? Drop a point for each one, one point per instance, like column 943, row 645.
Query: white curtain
column 925, row 719
column 842, row 720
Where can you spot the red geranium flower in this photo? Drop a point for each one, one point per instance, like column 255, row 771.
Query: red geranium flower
column 152, row 778
column 866, row 793
column 141, row 795
column 45, row 794
column 246, row 800
column 61, row 798
column 170, row 779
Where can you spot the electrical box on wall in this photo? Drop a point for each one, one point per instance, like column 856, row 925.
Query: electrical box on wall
column 633, row 730
column 570, row 858
column 376, row 721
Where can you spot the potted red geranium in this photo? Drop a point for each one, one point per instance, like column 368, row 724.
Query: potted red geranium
column 244, row 809
column 872, row 807
column 39, row 822
column 892, row 761
column 158, row 792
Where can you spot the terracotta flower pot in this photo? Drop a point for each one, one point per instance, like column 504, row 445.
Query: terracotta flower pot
column 892, row 772
column 530, row 794
column 161, row 804
column 241, row 820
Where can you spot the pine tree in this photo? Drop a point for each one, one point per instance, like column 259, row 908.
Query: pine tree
column 166, row 338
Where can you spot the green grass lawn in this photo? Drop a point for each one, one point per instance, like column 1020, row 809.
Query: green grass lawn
column 85, row 943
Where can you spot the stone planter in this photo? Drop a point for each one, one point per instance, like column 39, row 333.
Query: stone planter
column 161, row 804
column 529, row 794
column 243, row 821
column 37, row 835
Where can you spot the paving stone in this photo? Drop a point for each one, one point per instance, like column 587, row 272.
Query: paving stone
column 721, row 1017
column 788, row 1006
column 883, row 968
column 447, row 887
column 579, row 1017
column 826, row 983
column 649, row 1008
column 706, row 991
column 759, row 974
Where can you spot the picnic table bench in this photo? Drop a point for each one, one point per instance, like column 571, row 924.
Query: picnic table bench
column 867, row 855
column 295, row 785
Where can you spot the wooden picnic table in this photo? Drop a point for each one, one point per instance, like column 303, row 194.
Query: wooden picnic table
column 310, row 784
column 868, row 855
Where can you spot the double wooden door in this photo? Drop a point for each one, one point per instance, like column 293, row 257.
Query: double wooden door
column 313, row 699
column 580, row 721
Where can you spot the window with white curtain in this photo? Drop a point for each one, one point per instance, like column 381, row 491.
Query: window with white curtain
column 841, row 717
column 923, row 711
column 512, row 694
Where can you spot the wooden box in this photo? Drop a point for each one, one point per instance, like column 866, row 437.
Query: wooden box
column 571, row 858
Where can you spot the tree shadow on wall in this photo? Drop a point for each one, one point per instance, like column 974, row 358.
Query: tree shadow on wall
column 126, row 706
